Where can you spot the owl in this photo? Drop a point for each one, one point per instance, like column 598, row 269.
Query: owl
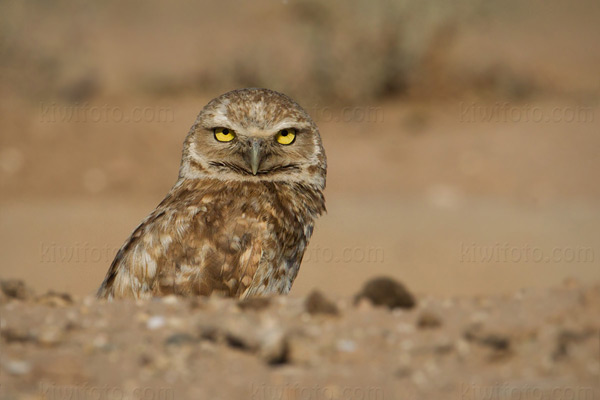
column 238, row 220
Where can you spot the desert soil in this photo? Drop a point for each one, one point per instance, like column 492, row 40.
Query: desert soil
column 531, row 344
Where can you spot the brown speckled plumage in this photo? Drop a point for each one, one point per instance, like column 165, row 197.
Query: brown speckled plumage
column 222, row 228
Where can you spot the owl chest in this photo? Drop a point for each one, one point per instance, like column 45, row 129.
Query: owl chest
column 250, row 219
column 255, row 245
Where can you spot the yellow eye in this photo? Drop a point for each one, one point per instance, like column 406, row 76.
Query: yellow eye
column 286, row 136
column 224, row 134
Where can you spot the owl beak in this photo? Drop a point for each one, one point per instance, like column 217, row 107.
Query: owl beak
column 255, row 155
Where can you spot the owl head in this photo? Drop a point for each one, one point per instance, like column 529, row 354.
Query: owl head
column 254, row 135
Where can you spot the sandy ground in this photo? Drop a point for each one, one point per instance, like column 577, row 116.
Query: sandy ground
column 532, row 344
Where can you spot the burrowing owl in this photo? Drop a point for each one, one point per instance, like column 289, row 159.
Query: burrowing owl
column 242, row 211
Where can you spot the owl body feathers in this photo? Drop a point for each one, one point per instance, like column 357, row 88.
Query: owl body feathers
column 224, row 229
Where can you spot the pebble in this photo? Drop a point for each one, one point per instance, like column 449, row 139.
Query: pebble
column 317, row 303
column 100, row 342
column 387, row 292
column 273, row 346
column 50, row 336
column 89, row 301
column 155, row 322
column 346, row 345
column 179, row 339
column 21, row 335
column 16, row 289
column 176, row 323
column 496, row 341
column 254, row 303
column 429, row 320
column 264, row 336
column 170, row 299
column 302, row 350
column 419, row 378
column 54, row 299
column 463, row 348
column 17, row 367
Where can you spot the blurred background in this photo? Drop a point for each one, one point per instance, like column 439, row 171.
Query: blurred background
column 463, row 138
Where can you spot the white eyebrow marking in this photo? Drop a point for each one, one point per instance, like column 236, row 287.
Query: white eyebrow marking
column 290, row 123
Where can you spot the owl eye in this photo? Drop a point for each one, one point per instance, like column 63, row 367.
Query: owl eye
column 224, row 134
column 286, row 136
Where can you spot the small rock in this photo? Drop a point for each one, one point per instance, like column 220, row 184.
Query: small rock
column 364, row 306
column 242, row 333
column 179, row 339
column 443, row 348
column 496, row 341
column 176, row 323
column 101, row 342
column 208, row 332
column 346, row 346
column 49, row 336
column 273, row 346
column 386, row 292
column 463, row 348
column 254, row 303
column 197, row 303
column 264, row 337
column 428, row 320
column 317, row 303
column 54, row 299
column 155, row 322
column 17, row 367
column 14, row 335
column 16, row 289
column 145, row 359
column 564, row 340
column 170, row 299
column 302, row 349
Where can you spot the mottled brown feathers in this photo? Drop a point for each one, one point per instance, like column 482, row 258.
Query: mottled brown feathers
column 222, row 228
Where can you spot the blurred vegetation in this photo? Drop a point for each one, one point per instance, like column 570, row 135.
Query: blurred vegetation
column 348, row 51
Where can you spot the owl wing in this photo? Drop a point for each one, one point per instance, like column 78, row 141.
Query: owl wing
column 189, row 246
